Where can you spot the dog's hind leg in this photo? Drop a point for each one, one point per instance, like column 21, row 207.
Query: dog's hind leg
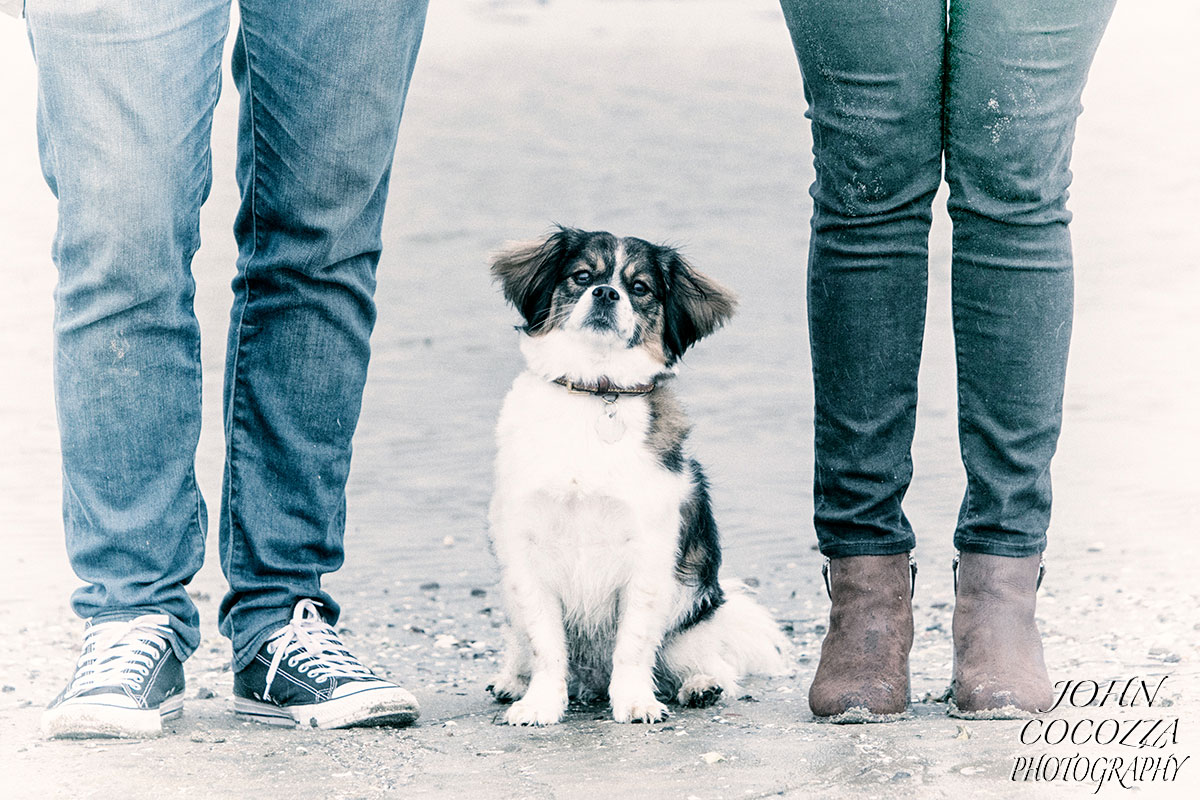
column 696, row 671
column 711, row 657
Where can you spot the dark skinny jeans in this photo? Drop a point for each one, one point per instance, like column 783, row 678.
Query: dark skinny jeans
column 990, row 88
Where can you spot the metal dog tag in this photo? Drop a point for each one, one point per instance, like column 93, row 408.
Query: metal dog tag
column 609, row 426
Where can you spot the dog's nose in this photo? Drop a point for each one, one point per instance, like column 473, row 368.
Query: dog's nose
column 606, row 294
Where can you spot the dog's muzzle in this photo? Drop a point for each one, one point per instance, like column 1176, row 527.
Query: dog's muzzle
column 602, row 315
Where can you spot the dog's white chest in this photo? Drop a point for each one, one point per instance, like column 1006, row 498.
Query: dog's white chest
column 573, row 501
column 552, row 441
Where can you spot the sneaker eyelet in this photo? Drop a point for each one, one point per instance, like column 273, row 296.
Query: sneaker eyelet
column 292, row 662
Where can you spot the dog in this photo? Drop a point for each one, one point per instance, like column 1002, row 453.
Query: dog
column 600, row 520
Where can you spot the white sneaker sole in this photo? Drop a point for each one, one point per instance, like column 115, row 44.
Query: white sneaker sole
column 87, row 719
column 390, row 706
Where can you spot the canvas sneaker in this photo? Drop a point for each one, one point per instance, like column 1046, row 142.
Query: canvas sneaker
column 126, row 682
column 305, row 676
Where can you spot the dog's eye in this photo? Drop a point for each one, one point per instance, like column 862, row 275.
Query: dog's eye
column 640, row 288
column 583, row 277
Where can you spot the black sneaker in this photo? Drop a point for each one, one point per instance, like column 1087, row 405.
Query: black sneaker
column 126, row 682
column 305, row 676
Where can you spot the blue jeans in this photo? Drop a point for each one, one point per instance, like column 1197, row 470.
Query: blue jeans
column 125, row 106
column 992, row 87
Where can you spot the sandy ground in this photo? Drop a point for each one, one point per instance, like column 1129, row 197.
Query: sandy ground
column 679, row 121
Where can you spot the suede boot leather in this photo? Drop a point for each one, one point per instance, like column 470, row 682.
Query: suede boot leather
column 998, row 661
column 864, row 658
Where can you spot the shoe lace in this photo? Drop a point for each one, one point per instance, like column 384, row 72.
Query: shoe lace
column 312, row 648
column 120, row 653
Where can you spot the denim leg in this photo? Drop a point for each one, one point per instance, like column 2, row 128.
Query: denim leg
column 125, row 98
column 323, row 87
column 1015, row 73
column 872, row 78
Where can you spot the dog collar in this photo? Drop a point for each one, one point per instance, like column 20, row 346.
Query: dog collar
column 605, row 388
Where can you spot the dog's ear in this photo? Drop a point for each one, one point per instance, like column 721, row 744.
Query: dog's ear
column 695, row 304
column 529, row 271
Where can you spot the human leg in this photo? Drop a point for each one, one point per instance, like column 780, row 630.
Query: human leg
column 125, row 100
column 872, row 77
column 323, row 87
column 1015, row 74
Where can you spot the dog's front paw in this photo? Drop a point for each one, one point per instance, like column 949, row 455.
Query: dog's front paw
column 537, row 708
column 507, row 687
column 699, row 691
column 644, row 710
column 635, row 704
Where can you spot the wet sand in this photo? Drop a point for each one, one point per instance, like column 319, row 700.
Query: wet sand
column 678, row 121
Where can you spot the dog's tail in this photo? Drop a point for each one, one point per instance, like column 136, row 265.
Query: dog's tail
column 748, row 636
column 739, row 639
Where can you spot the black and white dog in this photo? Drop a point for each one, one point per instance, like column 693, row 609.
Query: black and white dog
column 601, row 522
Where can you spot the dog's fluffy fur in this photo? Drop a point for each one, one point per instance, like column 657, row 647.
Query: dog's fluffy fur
column 606, row 539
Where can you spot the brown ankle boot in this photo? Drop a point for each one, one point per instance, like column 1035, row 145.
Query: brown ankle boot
column 998, row 662
column 864, row 658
